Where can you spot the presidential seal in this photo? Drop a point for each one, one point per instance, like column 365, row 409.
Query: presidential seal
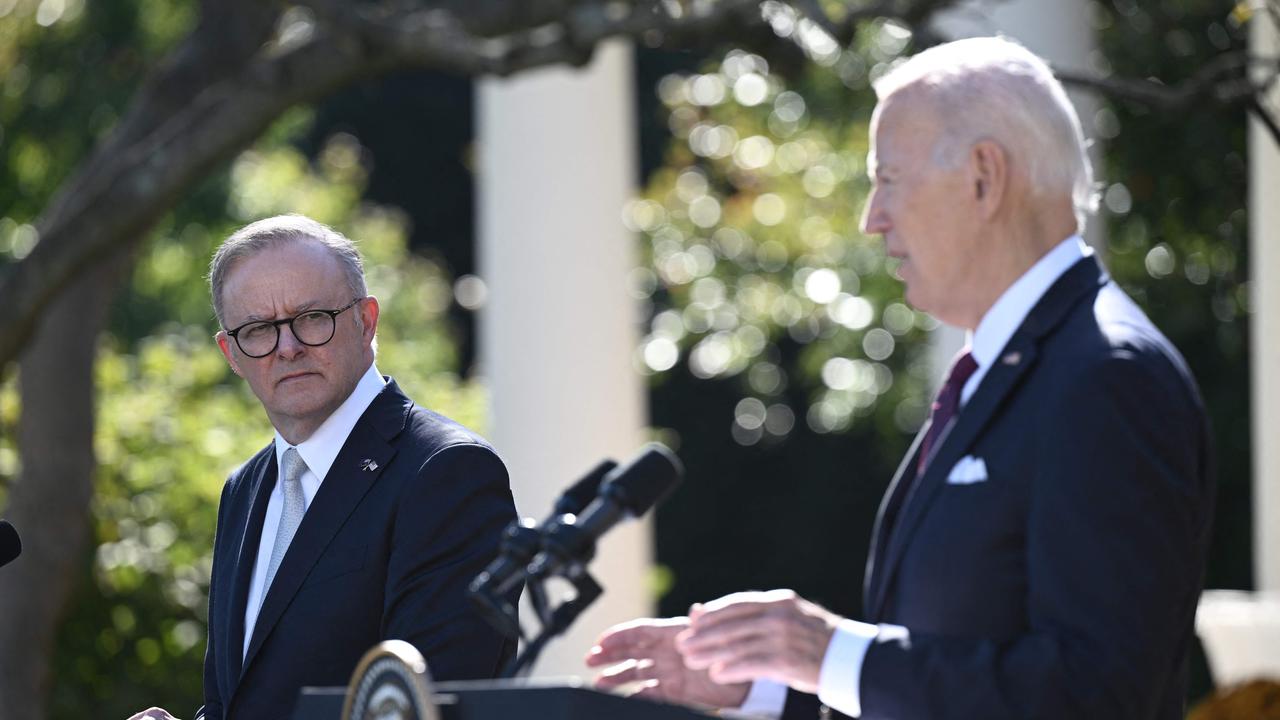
column 390, row 683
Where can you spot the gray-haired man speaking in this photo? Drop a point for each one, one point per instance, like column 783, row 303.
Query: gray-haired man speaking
column 1040, row 551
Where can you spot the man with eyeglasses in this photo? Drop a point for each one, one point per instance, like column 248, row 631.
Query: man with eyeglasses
column 367, row 516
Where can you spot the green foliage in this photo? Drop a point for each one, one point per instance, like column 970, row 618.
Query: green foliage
column 66, row 71
column 1177, row 229
column 753, row 244
column 784, row 361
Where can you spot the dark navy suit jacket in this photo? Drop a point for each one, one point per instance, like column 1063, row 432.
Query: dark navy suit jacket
column 383, row 553
column 1065, row 585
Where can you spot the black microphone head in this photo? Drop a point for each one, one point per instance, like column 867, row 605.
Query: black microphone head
column 576, row 497
column 645, row 480
column 10, row 543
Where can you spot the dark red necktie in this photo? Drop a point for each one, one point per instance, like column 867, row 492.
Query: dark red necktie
column 943, row 410
column 947, row 404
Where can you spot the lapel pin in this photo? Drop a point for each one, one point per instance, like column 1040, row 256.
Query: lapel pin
column 368, row 465
column 1012, row 358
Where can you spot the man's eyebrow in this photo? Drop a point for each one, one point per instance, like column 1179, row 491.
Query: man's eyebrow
column 297, row 310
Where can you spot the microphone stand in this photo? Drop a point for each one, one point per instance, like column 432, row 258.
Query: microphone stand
column 554, row 622
column 567, row 551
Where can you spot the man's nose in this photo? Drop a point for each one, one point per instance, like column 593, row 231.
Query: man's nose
column 288, row 346
column 875, row 221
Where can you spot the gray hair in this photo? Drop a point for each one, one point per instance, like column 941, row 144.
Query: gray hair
column 258, row 236
column 993, row 88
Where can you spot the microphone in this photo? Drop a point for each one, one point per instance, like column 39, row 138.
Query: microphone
column 626, row 492
column 580, row 493
column 10, row 543
column 522, row 539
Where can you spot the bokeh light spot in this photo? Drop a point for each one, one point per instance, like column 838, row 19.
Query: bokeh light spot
column 822, row 286
column 769, row 209
column 750, row 90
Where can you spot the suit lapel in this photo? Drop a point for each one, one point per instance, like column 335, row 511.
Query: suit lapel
column 262, row 481
column 350, row 477
column 1009, row 369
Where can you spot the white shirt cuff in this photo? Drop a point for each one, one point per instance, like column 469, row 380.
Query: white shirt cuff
column 840, row 678
column 765, row 699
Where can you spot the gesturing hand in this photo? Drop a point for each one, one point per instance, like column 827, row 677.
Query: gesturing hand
column 746, row 636
column 644, row 651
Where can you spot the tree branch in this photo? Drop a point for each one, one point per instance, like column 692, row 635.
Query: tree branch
column 229, row 34
column 112, row 203
column 1260, row 113
column 1223, row 82
column 439, row 39
column 1206, row 83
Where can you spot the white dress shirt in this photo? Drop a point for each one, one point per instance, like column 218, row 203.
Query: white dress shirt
column 840, row 678
column 318, row 452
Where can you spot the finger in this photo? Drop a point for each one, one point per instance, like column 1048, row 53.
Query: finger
column 696, row 610
column 653, row 624
column 652, row 690
column 752, row 596
column 619, row 648
column 620, row 644
column 627, row 672
column 599, row 655
column 644, row 631
column 636, row 639
column 739, row 605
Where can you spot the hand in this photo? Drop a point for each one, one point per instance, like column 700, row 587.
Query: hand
column 644, row 651
column 747, row 636
column 154, row 713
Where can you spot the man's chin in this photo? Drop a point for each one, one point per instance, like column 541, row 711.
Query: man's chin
column 298, row 405
column 918, row 300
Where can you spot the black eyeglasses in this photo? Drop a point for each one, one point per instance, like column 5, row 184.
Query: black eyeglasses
column 259, row 338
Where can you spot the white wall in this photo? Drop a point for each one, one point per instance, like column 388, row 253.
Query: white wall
column 1264, row 261
column 556, row 164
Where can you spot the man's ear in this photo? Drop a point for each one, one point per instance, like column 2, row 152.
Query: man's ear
column 224, row 344
column 369, row 317
column 989, row 175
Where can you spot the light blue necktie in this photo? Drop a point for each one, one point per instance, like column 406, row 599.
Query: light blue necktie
column 295, row 504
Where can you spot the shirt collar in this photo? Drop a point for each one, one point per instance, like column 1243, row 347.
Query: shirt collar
column 321, row 449
column 1006, row 315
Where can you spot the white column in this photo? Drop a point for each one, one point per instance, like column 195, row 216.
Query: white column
column 557, row 334
column 1056, row 30
column 1264, row 260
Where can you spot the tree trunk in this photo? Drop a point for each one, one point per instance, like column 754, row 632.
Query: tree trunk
column 49, row 502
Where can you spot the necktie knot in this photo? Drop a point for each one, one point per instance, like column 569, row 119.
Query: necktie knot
column 962, row 368
column 294, row 466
